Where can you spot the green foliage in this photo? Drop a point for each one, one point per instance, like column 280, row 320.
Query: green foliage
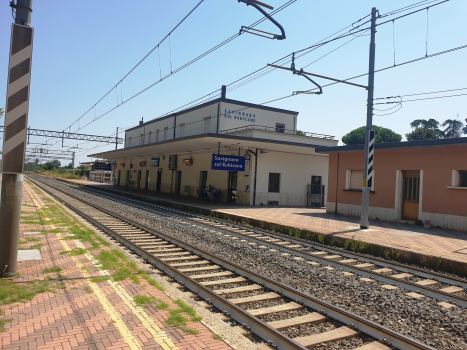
column 177, row 320
column 144, row 301
column 321, row 239
column 99, row 279
column 464, row 129
column 357, row 136
column 300, row 133
column 355, row 246
column 453, row 127
column 151, row 281
column 52, row 269
column 438, row 263
column 3, row 322
column 88, row 289
column 16, row 293
column 217, row 337
column 424, row 130
column 420, row 134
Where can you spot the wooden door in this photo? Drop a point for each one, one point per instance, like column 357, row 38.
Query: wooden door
column 411, row 195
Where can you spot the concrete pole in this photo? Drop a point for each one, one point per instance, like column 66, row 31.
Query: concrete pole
column 12, row 188
column 73, row 166
column 369, row 124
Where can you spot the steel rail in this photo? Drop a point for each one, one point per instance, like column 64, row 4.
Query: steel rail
column 258, row 327
column 364, row 257
column 411, row 286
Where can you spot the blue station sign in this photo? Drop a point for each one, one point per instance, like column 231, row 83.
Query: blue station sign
column 231, row 163
column 102, row 166
column 155, row 162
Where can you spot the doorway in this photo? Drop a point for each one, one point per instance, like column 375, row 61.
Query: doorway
column 178, row 181
column 316, row 192
column 128, row 183
column 159, row 180
column 203, row 180
column 411, row 195
column 119, row 176
column 232, row 188
column 138, row 181
column 146, row 186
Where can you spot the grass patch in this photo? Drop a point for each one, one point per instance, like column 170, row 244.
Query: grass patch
column 144, row 301
column 355, row 246
column 3, row 322
column 52, row 269
column 151, row 281
column 217, row 337
column 99, row 279
column 88, row 289
column 35, row 246
column 16, row 293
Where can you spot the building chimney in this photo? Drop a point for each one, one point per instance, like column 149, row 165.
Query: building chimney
column 223, row 91
column 141, row 122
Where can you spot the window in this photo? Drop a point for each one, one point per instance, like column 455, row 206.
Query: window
column 142, row 139
column 463, row 178
column 150, row 137
column 129, row 142
column 459, row 178
column 157, row 135
column 274, row 182
column 280, row 127
column 356, row 179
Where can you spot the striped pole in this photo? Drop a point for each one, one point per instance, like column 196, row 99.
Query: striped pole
column 371, row 152
column 14, row 142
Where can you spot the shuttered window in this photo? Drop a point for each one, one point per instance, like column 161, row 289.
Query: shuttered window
column 356, row 179
column 274, row 182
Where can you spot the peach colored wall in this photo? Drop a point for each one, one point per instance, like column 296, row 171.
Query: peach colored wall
column 437, row 164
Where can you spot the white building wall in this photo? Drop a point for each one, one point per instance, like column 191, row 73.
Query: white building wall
column 230, row 116
column 296, row 171
column 236, row 116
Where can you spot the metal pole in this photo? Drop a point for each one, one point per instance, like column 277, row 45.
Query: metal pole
column 116, row 139
column 369, row 123
column 73, row 166
column 12, row 177
column 256, row 172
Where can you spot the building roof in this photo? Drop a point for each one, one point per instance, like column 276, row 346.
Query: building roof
column 241, row 103
column 206, row 143
column 459, row 141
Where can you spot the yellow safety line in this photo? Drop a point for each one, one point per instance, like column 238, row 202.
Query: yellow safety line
column 33, row 197
column 118, row 322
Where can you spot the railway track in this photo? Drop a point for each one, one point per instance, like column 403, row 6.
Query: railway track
column 241, row 295
column 419, row 282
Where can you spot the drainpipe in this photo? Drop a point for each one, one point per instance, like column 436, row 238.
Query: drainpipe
column 256, row 172
column 175, row 125
column 218, row 114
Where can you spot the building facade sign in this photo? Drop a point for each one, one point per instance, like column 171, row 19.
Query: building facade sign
column 240, row 116
column 102, row 166
column 230, row 163
column 155, row 162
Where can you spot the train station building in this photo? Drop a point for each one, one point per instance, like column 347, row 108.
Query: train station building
column 416, row 180
column 250, row 153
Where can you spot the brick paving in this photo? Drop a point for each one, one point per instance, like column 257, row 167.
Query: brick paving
column 77, row 313
column 437, row 242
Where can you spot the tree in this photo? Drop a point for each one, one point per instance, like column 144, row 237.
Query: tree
column 464, row 129
column 425, row 130
column 69, row 166
column 357, row 136
column 452, row 127
column 420, row 134
column 50, row 165
column 300, row 133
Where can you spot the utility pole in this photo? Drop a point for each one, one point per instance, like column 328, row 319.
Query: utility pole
column 366, row 186
column 73, row 166
column 14, row 140
column 116, row 139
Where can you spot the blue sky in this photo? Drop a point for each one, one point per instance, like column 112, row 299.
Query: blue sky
column 83, row 48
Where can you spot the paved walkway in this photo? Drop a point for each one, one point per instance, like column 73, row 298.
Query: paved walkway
column 435, row 241
column 68, row 301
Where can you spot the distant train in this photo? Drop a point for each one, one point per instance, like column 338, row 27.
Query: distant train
column 102, row 176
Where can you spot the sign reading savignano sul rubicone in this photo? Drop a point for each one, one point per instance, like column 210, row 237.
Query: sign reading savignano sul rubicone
column 232, row 163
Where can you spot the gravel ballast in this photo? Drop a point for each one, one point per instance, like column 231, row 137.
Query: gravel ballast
column 422, row 319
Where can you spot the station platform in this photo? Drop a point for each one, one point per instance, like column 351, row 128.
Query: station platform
column 62, row 298
column 440, row 248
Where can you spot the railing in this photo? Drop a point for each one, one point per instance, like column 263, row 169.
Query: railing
column 278, row 130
